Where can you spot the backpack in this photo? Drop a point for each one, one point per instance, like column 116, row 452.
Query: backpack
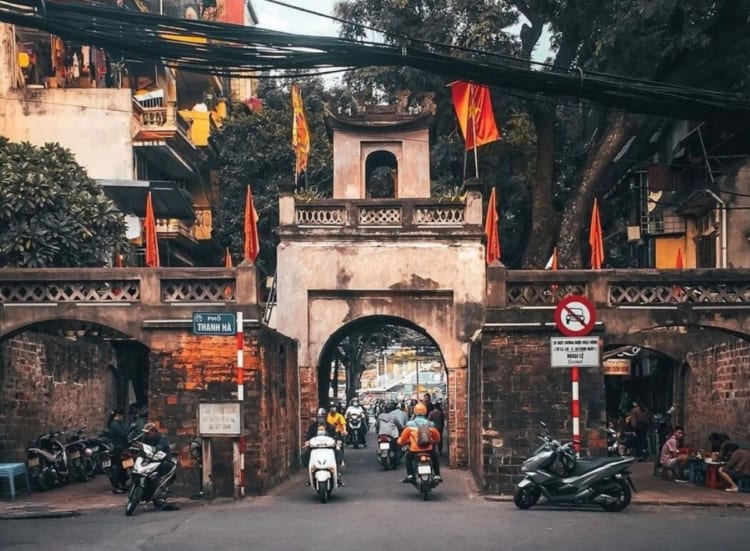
column 424, row 438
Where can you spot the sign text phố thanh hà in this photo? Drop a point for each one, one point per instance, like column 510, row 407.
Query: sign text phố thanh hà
column 574, row 352
column 208, row 323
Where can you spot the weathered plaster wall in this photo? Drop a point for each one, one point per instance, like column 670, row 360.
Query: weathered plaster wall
column 412, row 151
column 738, row 223
column 381, row 267
column 520, row 389
column 93, row 123
column 188, row 369
column 51, row 383
column 717, row 393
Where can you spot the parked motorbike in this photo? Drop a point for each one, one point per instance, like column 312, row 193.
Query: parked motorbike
column 47, row 461
column 389, row 452
column 147, row 484
column 613, row 443
column 355, row 430
column 101, row 446
column 424, row 479
column 322, row 470
column 554, row 471
column 80, row 462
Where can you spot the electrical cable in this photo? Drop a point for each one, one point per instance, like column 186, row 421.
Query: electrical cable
column 232, row 50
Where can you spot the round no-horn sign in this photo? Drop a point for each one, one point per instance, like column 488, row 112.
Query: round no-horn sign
column 575, row 316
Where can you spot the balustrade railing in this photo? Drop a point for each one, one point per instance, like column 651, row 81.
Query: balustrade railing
column 385, row 213
column 620, row 288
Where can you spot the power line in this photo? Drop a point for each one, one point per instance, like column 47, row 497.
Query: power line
column 232, row 50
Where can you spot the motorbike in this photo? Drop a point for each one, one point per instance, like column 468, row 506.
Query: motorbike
column 355, row 430
column 47, row 461
column 147, row 484
column 101, row 446
column 424, row 478
column 128, row 458
column 555, row 472
column 389, row 452
column 613, row 443
column 323, row 470
column 80, row 462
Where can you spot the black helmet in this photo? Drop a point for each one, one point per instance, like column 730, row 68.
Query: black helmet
column 333, row 407
column 390, row 407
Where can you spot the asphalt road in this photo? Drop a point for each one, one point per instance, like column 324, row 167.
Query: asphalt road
column 376, row 511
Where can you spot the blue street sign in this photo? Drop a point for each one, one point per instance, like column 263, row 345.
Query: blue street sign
column 214, row 323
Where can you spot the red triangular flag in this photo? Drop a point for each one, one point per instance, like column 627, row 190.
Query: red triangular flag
column 228, row 259
column 252, row 241
column 679, row 264
column 492, row 248
column 149, row 230
column 596, row 239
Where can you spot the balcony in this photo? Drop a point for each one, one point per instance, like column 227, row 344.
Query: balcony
column 163, row 136
column 371, row 217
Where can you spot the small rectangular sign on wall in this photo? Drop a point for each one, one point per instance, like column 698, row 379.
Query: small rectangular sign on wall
column 574, row 352
column 220, row 419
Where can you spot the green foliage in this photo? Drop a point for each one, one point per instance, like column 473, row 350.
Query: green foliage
column 256, row 149
column 51, row 213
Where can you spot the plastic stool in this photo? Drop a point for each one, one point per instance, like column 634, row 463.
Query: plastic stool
column 11, row 471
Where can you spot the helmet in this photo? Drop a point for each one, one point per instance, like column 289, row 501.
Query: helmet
column 355, row 402
column 321, row 415
column 332, row 407
column 390, row 407
column 420, row 409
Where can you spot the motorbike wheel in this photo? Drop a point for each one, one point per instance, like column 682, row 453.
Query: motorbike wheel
column 323, row 493
column 425, row 488
column 40, row 480
column 621, row 492
column 526, row 497
column 89, row 467
column 159, row 502
column 134, row 498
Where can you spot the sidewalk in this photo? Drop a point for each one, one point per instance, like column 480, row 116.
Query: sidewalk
column 67, row 501
column 653, row 490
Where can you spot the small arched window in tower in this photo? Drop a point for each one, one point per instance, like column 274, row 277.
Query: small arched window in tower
column 381, row 175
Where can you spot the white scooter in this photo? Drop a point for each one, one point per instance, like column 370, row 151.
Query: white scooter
column 322, row 469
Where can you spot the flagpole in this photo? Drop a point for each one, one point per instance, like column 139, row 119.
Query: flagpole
column 474, row 129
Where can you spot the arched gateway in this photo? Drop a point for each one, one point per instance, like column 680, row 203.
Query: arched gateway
column 410, row 257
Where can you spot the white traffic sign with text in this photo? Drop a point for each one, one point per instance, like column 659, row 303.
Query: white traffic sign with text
column 574, row 352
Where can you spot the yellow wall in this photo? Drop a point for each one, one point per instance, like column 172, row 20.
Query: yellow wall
column 666, row 253
column 200, row 127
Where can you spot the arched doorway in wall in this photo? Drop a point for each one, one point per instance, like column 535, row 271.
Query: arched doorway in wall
column 63, row 374
column 382, row 358
column 381, row 175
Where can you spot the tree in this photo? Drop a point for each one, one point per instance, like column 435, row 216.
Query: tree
column 51, row 213
column 255, row 149
column 574, row 144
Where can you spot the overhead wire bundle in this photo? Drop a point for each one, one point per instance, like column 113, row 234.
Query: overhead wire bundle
column 227, row 49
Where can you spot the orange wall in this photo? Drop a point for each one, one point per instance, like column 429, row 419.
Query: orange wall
column 666, row 253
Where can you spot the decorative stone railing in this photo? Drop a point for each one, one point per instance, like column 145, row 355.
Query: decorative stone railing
column 382, row 213
column 147, row 286
column 619, row 288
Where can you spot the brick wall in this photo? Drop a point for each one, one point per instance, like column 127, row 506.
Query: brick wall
column 51, row 383
column 187, row 369
column 518, row 390
column 717, row 393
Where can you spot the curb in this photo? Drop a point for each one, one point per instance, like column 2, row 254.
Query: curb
column 670, row 503
column 29, row 515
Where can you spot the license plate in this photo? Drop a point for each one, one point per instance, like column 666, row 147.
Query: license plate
column 424, row 469
column 385, row 446
column 106, row 463
column 75, row 455
column 33, row 462
column 127, row 463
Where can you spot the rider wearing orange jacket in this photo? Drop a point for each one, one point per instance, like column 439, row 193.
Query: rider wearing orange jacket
column 410, row 435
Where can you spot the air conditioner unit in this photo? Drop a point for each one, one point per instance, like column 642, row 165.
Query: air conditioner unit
column 634, row 233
